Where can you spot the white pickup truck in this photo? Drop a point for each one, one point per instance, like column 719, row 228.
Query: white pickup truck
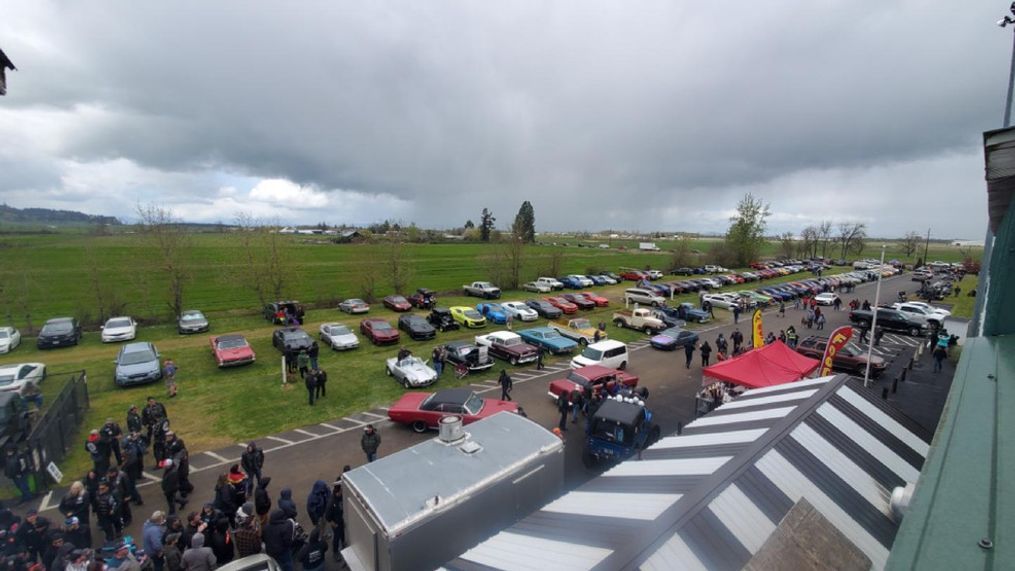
column 485, row 290
column 552, row 283
column 640, row 319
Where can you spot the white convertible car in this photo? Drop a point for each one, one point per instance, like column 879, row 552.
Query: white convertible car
column 411, row 372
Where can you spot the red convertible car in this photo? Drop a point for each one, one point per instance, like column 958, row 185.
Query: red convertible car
column 562, row 304
column 594, row 377
column 231, row 350
column 421, row 410
column 599, row 300
column 397, row 303
column 378, row 331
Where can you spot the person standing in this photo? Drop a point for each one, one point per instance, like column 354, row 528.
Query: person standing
column 706, row 352
column 171, row 485
column 438, row 360
column 311, row 555
column 370, row 442
column 153, row 532
column 820, row 321
column 262, row 500
column 77, row 503
column 33, row 534
column 782, row 308
column 509, row 321
column 290, row 360
column 153, row 414
column 198, row 557
column 321, row 384
column 837, row 304
column 278, row 539
column 707, row 306
column 169, row 372
column 597, row 336
column 134, row 423
column 112, row 433
column 540, row 352
column 310, row 380
column 16, row 469
column 689, row 353
column 336, row 517
column 313, row 353
column 736, row 313
column 303, row 363
column 505, row 385
column 247, row 533
column 738, row 341
column 879, row 332
column 939, row 354
column 577, row 404
column 317, row 503
column 98, row 449
column 563, row 406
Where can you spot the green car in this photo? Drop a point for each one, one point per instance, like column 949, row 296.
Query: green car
column 761, row 300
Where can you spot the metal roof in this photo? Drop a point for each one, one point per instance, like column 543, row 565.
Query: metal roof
column 712, row 497
column 397, row 488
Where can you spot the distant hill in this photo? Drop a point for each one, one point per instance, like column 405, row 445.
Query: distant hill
column 11, row 215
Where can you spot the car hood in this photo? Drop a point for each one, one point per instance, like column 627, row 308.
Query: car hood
column 138, row 369
column 194, row 323
column 5, row 343
column 492, row 407
column 345, row 338
column 663, row 340
column 117, row 330
column 384, row 332
column 235, row 353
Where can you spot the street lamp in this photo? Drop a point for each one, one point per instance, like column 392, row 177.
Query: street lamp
column 1003, row 22
column 874, row 320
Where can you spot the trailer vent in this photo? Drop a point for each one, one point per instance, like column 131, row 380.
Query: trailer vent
column 470, row 447
column 451, row 429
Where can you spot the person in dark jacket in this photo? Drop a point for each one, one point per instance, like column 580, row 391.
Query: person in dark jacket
column 540, row 353
column 32, row 534
column 225, row 497
column 706, row 351
column 310, row 381
column 198, row 557
column 286, row 503
column 112, row 433
column 313, row 353
column 278, row 539
column 321, row 384
column 262, row 500
column 133, row 465
column 317, row 503
column 171, row 553
column 98, row 448
column 106, row 511
column 370, row 442
column 505, row 385
column 134, row 423
column 563, row 406
column 336, row 518
column 219, row 541
column 152, row 416
column 171, row 485
column 311, row 555
column 15, row 468
column 77, row 503
column 689, row 353
column 252, row 461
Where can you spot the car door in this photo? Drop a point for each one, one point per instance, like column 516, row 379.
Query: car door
column 276, row 340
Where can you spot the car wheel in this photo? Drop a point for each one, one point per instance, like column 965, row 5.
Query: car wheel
column 419, row 427
column 387, row 370
column 623, row 365
column 514, row 361
column 583, row 341
column 655, row 304
column 618, row 322
column 914, row 331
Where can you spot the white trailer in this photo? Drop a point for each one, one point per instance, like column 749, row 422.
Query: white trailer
column 648, row 247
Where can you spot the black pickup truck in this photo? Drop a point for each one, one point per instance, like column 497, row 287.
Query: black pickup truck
column 889, row 320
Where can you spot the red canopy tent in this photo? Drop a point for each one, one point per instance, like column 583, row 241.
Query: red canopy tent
column 768, row 365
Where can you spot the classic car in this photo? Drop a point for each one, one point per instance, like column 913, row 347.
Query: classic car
column 291, row 338
column 14, row 377
column 440, row 317
column 581, row 330
column 119, row 329
column 279, row 312
column 10, row 338
column 689, row 313
column 59, row 332
column 544, row 308
column 424, row 298
column 579, row 300
column 354, row 305
column 338, row 336
column 520, row 311
column 562, row 304
column 421, row 410
column 396, row 303
column 848, row 359
column 669, row 339
column 609, row 279
column 508, row 346
column 137, row 363
column 758, row 299
column 633, row 275
column 191, row 321
column 548, row 338
column 378, row 331
column 231, row 350
column 493, row 312
column 599, row 300
column 417, row 327
column 474, row 357
column 468, row 317
column 592, row 379
column 536, row 287
column 411, row 371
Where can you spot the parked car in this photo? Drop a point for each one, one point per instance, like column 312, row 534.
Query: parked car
column 552, row 283
column 59, row 332
column 485, row 290
column 827, row 298
column 508, row 346
column 643, row 296
column 610, row 279
column 849, row 359
column 633, row 275
column 10, row 338
column 396, row 303
column 599, row 280
column 520, row 311
column 581, row 280
column 922, row 312
column 468, row 317
column 599, row 300
column 378, row 331
column 683, row 271
column 493, row 312
column 536, row 287
column 755, row 297
column 136, row 364
column 724, row 300
column 641, row 319
column 422, row 411
column 571, row 282
column 354, row 305
column 14, row 377
column 474, row 357
column 279, row 312
column 424, row 298
column 338, row 336
column 579, row 300
column 689, row 313
column 291, row 338
column 615, row 277
column 617, row 431
column 544, row 308
column 232, row 350
column 549, row 338
column 562, row 304
column 192, row 321
column 889, row 320
column 411, row 372
column 581, row 330
column 441, row 318
column 417, row 327
column 591, row 380
column 672, row 338
column 119, row 329
column 609, row 353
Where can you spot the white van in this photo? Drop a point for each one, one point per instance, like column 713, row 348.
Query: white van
column 643, row 296
column 609, row 353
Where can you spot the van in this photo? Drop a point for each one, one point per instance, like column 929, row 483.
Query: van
column 609, row 353
column 643, row 296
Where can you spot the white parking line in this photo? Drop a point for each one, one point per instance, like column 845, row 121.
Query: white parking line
column 277, row 439
column 353, row 420
column 370, row 414
column 215, row 456
column 301, row 431
column 44, row 505
column 151, row 477
column 335, row 428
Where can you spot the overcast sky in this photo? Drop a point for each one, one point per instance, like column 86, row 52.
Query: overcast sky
column 641, row 116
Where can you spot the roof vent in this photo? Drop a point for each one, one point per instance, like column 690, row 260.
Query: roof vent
column 470, row 447
column 901, row 497
column 451, row 429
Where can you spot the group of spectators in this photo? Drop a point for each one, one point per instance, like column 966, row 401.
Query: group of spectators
column 304, row 362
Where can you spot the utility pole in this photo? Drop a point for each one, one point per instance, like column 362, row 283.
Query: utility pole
column 926, row 248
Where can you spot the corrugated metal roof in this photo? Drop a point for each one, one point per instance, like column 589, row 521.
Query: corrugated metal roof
column 711, row 498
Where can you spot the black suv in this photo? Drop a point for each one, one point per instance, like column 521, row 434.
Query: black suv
column 59, row 332
column 888, row 319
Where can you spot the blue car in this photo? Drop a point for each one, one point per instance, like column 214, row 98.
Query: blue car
column 670, row 339
column 617, row 431
column 549, row 339
column 688, row 312
column 570, row 282
column 598, row 280
column 492, row 312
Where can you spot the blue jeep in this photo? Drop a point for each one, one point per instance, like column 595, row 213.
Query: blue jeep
column 618, row 429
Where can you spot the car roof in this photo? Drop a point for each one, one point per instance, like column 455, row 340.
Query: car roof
column 231, row 337
column 622, row 412
column 60, row 320
column 539, row 329
column 503, row 334
column 451, row 396
column 594, row 371
column 607, row 344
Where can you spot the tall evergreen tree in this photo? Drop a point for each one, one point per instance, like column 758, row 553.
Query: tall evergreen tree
column 486, row 221
column 525, row 223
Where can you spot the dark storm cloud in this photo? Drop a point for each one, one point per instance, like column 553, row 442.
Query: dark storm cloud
column 654, row 115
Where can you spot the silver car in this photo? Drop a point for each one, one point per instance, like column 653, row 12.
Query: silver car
column 411, row 372
column 354, row 306
column 192, row 321
column 136, row 364
column 338, row 336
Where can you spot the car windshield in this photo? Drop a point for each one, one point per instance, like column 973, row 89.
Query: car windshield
column 137, row 357
column 58, row 328
column 576, row 378
column 551, row 334
column 578, row 297
column 673, row 332
column 232, row 343
column 296, row 336
column 410, row 361
column 3, row 334
column 474, row 404
column 117, row 323
column 611, row 431
column 398, row 299
column 581, row 324
column 509, row 341
column 192, row 316
column 339, row 330
column 472, row 314
column 593, row 354
column 466, row 350
column 380, row 325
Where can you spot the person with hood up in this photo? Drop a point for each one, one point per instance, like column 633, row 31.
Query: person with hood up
column 317, row 503
column 252, row 461
column 286, row 503
column 262, row 500
column 198, row 557
column 278, row 539
column 123, row 559
column 311, row 555
column 152, row 533
column 336, row 517
column 225, row 497
column 98, row 448
column 370, row 442
column 220, row 542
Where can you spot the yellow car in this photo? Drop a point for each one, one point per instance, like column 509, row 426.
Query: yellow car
column 580, row 330
column 468, row 317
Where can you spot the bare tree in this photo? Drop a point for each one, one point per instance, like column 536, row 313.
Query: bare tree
column 556, row 262
column 681, row 256
column 809, row 239
column 910, row 243
column 787, row 245
column 368, row 280
column 514, row 259
column 108, row 302
column 267, row 257
column 852, row 237
column 399, row 268
column 824, row 235
column 172, row 245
